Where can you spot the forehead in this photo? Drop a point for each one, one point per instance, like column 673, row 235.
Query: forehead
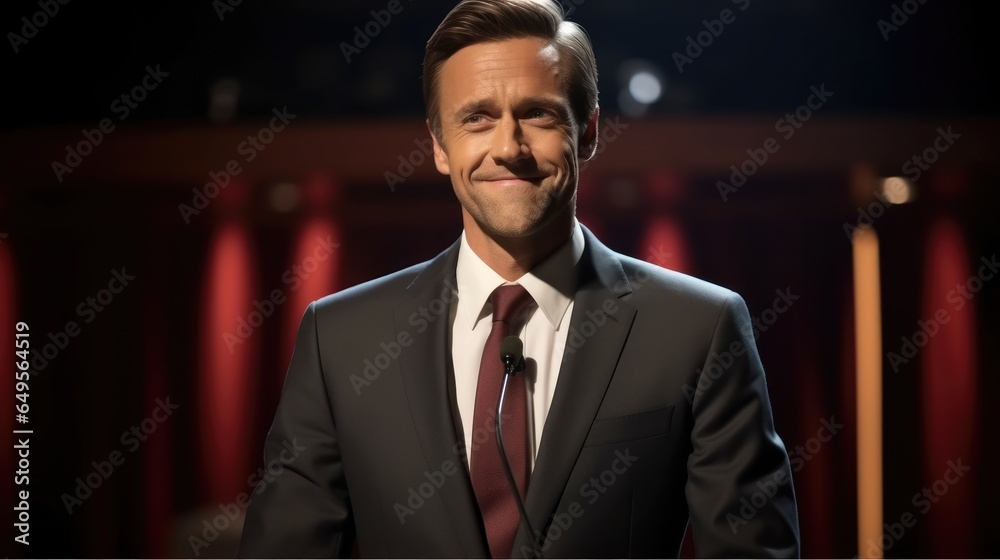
column 528, row 65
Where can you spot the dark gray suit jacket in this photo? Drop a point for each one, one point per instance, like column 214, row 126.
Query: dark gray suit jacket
column 660, row 415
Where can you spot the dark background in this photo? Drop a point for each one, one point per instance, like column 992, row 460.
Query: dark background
column 651, row 193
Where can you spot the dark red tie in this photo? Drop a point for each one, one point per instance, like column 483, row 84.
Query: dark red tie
column 493, row 492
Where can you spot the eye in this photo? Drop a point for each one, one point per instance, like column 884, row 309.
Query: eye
column 476, row 121
column 541, row 116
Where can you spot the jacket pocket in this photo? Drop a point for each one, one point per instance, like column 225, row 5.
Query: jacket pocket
column 630, row 427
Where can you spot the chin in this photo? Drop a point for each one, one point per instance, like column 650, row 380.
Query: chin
column 512, row 231
column 517, row 220
column 515, row 226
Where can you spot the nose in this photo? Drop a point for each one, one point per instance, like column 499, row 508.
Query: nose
column 508, row 143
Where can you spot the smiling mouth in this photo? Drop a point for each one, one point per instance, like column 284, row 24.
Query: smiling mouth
column 512, row 180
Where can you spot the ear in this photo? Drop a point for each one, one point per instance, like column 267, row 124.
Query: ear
column 440, row 156
column 587, row 146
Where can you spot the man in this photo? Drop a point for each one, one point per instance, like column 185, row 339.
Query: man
column 643, row 404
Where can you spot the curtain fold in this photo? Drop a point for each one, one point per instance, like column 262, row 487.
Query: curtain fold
column 230, row 337
column 950, row 386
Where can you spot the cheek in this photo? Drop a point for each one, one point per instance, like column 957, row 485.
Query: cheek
column 466, row 162
column 567, row 155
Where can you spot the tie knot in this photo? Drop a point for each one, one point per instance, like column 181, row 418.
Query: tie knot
column 509, row 301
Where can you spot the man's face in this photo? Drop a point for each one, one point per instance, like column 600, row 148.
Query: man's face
column 508, row 139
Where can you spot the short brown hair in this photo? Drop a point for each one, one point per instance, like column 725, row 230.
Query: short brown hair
column 481, row 21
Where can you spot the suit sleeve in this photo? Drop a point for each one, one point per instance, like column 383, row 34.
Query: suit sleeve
column 303, row 511
column 739, row 488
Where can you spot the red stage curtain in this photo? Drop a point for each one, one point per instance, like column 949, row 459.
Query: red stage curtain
column 814, row 492
column 227, row 371
column 664, row 241
column 948, row 368
column 665, row 244
column 315, row 266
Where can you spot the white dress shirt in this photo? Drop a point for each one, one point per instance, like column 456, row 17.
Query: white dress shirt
column 552, row 285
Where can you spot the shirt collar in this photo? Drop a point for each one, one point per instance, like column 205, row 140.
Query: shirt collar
column 551, row 283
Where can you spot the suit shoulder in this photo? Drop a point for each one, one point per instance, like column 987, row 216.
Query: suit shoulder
column 378, row 292
column 665, row 296
column 666, row 283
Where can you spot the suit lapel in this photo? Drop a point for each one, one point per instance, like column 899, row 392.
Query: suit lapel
column 584, row 375
column 427, row 373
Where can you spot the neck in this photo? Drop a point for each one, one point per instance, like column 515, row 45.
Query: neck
column 513, row 257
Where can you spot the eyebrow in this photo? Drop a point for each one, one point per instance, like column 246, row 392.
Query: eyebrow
column 544, row 102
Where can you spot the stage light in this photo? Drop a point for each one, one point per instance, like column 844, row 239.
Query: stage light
column 897, row 190
column 224, row 99
column 868, row 366
column 642, row 84
column 645, row 87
